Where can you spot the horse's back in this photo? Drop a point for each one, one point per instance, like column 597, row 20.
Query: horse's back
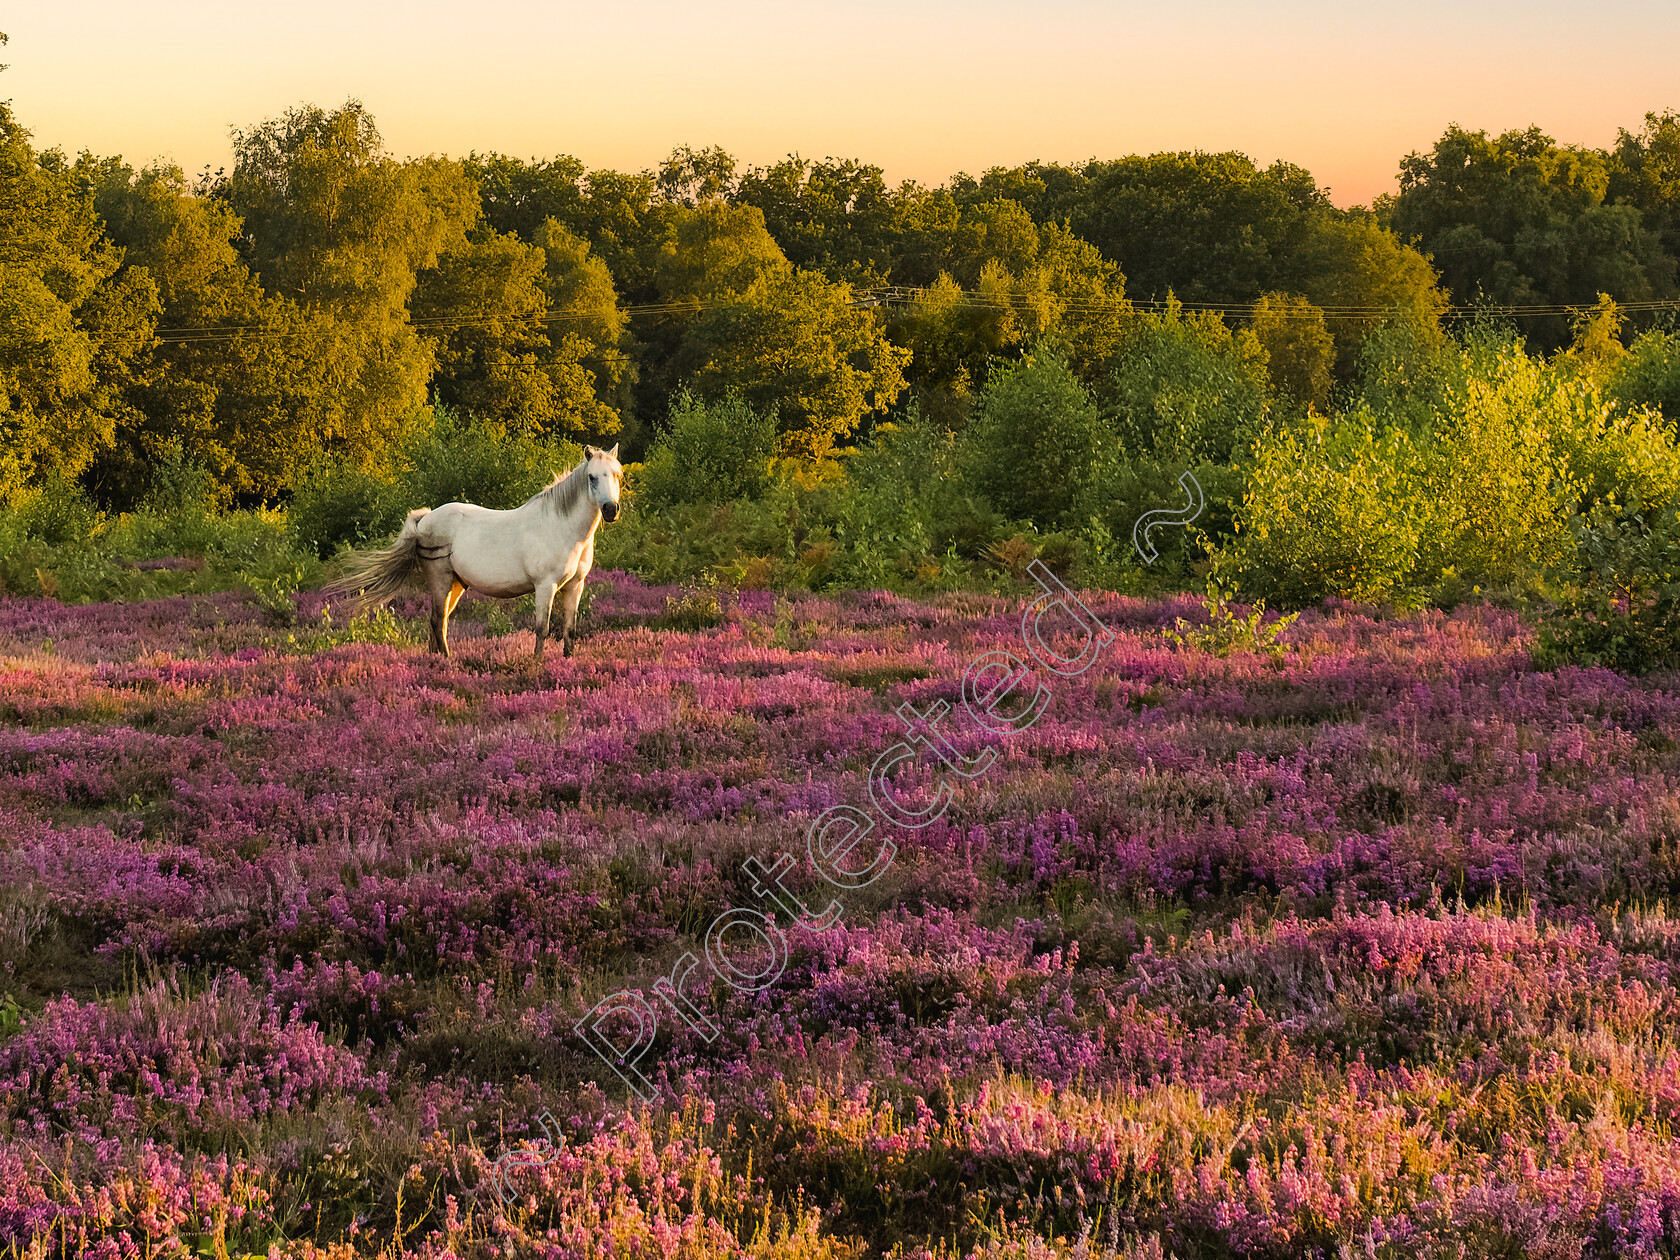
column 502, row 552
column 452, row 514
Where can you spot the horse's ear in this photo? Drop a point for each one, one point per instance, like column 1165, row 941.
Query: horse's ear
column 614, row 451
column 588, row 453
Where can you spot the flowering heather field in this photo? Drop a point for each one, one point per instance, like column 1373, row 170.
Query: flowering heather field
column 1355, row 950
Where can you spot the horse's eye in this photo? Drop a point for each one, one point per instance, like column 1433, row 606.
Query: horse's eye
column 593, row 478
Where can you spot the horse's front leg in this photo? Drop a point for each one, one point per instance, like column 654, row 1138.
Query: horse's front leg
column 569, row 596
column 544, row 596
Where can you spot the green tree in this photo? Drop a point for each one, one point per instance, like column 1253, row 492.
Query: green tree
column 527, row 335
column 587, row 331
column 238, row 393
column 795, row 344
column 1048, row 192
column 620, row 216
column 925, row 221
column 711, row 253
column 1519, row 220
column 1497, row 472
column 717, row 249
column 1596, row 348
column 1645, row 174
column 939, row 236
column 1406, row 370
column 335, row 224
column 71, row 327
column 952, row 336
column 519, row 197
column 482, row 307
column 692, row 177
column 1210, row 227
column 1363, row 276
column 833, row 216
column 1083, row 311
column 1016, row 286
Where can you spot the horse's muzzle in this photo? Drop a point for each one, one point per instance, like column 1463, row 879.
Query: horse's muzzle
column 609, row 511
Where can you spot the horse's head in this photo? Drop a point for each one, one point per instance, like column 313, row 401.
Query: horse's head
column 605, row 473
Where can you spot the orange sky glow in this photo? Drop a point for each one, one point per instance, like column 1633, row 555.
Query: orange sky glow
column 922, row 89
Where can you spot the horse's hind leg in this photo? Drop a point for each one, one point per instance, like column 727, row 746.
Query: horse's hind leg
column 570, row 594
column 544, row 597
column 441, row 581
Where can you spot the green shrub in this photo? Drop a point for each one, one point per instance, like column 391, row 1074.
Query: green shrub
column 378, row 625
column 444, row 458
column 1650, row 374
column 56, row 512
column 1624, row 612
column 338, row 505
column 711, row 453
column 1332, row 507
column 1134, row 486
column 180, row 487
column 1406, row 367
column 274, row 593
column 1496, row 476
column 452, row 459
column 692, row 611
column 1037, row 443
column 914, row 469
column 1226, row 632
column 1185, row 389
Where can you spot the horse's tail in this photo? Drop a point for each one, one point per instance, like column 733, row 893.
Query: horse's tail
column 375, row 575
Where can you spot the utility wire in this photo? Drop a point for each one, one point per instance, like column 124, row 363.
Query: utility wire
column 908, row 296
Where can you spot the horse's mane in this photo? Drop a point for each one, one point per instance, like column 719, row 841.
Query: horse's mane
column 561, row 495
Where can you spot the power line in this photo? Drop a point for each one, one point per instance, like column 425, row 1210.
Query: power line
column 902, row 297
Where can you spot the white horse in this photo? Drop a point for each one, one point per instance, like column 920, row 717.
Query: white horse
column 546, row 544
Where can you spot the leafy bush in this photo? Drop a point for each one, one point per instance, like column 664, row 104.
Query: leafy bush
column 1650, row 374
column 1142, row 484
column 692, row 611
column 1333, row 507
column 1406, row 367
column 1226, row 632
column 711, row 453
column 68, row 551
column 1186, row 389
column 275, row 593
column 1477, row 479
column 913, row 469
column 378, row 625
column 444, row 458
column 57, row 512
column 1037, row 442
column 180, row 487
column 1625, row 612
column 338, row 504
column 1496, row 475
column 458, row 460
column 1300, row 351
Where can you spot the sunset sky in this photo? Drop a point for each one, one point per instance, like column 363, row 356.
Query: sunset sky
column 921, row 88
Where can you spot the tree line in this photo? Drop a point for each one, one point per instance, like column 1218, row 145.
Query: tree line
column 300, row 306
